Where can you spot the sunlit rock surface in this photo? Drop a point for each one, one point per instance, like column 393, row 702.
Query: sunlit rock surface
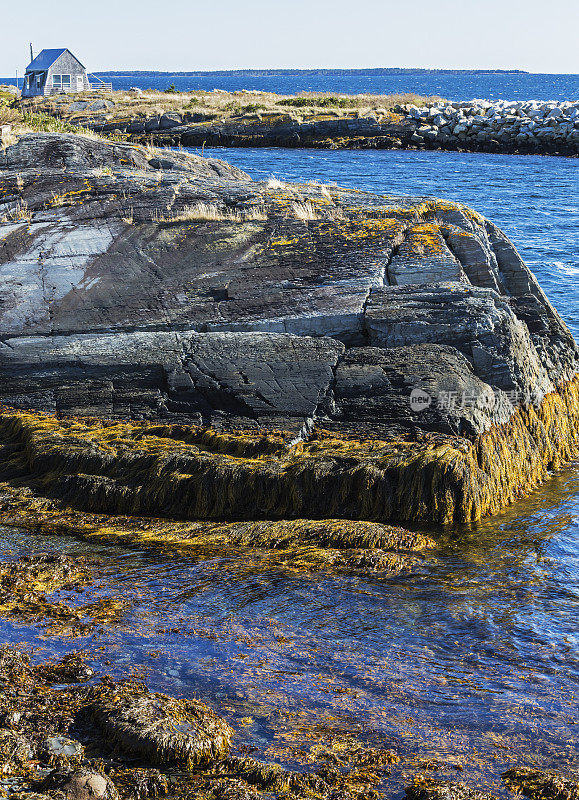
column 156, row 286
column 153, row 284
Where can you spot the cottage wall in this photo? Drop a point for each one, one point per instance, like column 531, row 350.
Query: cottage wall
column 67, row 64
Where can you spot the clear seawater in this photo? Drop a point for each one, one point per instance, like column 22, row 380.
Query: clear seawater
column 451, row 85
column 473, row 659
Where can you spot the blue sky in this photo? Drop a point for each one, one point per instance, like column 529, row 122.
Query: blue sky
column 187, row 35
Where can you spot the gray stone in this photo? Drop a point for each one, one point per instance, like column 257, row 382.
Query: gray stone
column 167, row 286
column 81, row 784
column 170, row 121
column 56, row 747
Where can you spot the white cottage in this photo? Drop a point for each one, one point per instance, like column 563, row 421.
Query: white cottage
column 54, row 72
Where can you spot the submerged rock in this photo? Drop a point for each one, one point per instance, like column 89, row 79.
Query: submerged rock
column 26, row 585
column 542, row 784
column 160, row 729
column 432, row 789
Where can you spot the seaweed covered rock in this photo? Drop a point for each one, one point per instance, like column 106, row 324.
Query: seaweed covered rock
column 27, row 584
column 41, row 573
column 233, row 789
column 334, row 544
column 164, row 287
column 15, row 751
column 542, row 784
column 158, row 728
column 141, row 784
column 432, row 789
column 71, row 668
column 272, row 777
column 80, row 784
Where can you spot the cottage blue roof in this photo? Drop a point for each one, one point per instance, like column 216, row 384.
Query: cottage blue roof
column 45, row 59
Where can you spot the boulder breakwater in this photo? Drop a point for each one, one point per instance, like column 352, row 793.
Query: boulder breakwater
column 272, row 350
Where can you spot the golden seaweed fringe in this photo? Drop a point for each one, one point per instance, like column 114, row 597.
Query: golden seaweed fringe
column 195, row 474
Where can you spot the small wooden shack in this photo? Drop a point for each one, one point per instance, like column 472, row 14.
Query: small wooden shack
column 54, row 72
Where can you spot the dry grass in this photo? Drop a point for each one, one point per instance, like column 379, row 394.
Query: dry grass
column 57, row 200
column 8, row 140
column 205, row 212
column 274, row 183
column 101, row 172
column 129, row 217
column 210, row 212
column 19, row 213
column 220, row 105
column 304, row 210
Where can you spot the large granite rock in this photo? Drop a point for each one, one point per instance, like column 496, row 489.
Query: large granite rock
column 147, row 284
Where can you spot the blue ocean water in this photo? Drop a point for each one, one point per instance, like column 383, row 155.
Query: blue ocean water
column 451, row 85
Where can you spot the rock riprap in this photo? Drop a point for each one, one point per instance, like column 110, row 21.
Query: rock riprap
column 156, row 286
column 520, row 126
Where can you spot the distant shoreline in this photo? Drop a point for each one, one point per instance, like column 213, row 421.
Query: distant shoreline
column 318, row 120
column 257, row 73
column 374, row 71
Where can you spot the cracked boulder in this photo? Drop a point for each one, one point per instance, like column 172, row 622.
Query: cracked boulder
column 165, row 286
column 218, row 379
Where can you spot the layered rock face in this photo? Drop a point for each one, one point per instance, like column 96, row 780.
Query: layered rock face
column 475, row 125
column 161, row 286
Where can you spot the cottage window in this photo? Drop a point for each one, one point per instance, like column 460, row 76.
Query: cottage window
column 61, row 82
column 39, row 81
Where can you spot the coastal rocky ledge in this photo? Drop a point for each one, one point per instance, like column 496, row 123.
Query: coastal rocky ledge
column 475, row 125
column 256, row 350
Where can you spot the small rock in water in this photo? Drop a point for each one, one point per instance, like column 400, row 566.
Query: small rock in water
column 60, row 747
column 160, row 728
column 81, row 784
